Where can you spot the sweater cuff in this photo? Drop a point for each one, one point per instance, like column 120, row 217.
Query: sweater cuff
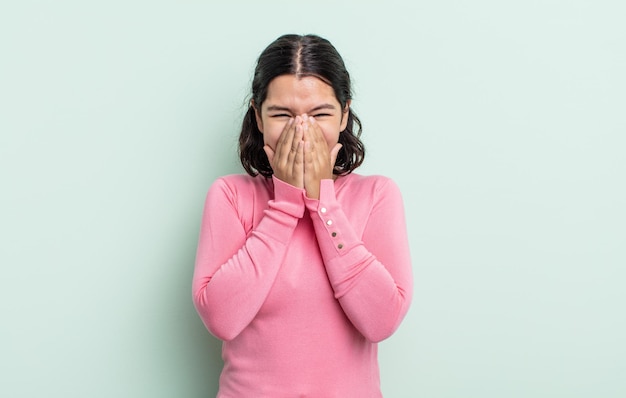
column 288, row 198
column 335, row 235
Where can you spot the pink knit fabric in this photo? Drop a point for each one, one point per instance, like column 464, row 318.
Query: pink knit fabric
column 301, row 290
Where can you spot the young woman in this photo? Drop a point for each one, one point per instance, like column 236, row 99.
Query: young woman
column 302, row 265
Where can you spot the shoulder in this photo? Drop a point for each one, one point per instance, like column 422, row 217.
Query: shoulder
column 371, row 185
column 364, row 197
column 241, row 181
column 239, row 185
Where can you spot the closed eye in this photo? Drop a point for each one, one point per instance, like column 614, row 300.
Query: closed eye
column 280, row 115
column 322, row 115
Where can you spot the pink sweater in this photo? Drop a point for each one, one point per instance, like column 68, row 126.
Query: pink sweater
column 301, row 290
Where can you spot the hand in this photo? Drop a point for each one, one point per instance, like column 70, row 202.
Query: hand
column 319, row 161
column 288, row 158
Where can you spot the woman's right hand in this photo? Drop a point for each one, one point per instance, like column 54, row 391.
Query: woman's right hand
column 287, row 160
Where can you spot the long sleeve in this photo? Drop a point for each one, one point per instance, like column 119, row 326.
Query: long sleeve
column 371, row 275
column 235, row 270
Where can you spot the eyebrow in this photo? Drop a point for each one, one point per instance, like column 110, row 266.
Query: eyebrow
column 317, row 108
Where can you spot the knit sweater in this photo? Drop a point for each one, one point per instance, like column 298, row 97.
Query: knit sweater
column 301, row 290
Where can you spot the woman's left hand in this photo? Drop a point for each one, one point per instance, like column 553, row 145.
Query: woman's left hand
column 319, row 160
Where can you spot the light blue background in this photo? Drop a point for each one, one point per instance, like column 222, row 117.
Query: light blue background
column 503, row 122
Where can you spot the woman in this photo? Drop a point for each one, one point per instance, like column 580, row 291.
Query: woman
column 302, row 265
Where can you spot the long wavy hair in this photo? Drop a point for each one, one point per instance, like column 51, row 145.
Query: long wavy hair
column 307, row 55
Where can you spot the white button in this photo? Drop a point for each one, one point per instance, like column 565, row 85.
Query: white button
column 329, row 222
column 323, row 210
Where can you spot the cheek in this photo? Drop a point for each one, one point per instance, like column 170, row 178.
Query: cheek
column 272, row 133
column 331, row 134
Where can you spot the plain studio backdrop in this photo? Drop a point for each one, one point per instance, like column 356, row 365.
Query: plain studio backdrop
column 503, row 122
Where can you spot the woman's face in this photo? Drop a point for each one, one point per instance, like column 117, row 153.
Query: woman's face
column 289, row 96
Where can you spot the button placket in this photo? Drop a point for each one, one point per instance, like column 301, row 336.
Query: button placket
column 329, row 223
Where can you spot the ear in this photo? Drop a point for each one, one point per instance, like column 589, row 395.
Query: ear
column 257, row 115
column 344, row 116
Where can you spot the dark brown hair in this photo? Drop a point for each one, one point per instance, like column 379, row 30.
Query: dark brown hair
column 307, row 55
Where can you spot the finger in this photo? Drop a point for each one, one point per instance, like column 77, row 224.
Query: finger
column 297, row 138
column 308, row 153
column 283, row 147
column 298, row 162
column 309, row 146
column 312, row 134
column 318, row 141
column 285, row 135
column 291, row 151
column 315, row 134
column 299, row 133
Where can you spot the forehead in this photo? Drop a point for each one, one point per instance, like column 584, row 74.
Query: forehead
column 296, row 92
